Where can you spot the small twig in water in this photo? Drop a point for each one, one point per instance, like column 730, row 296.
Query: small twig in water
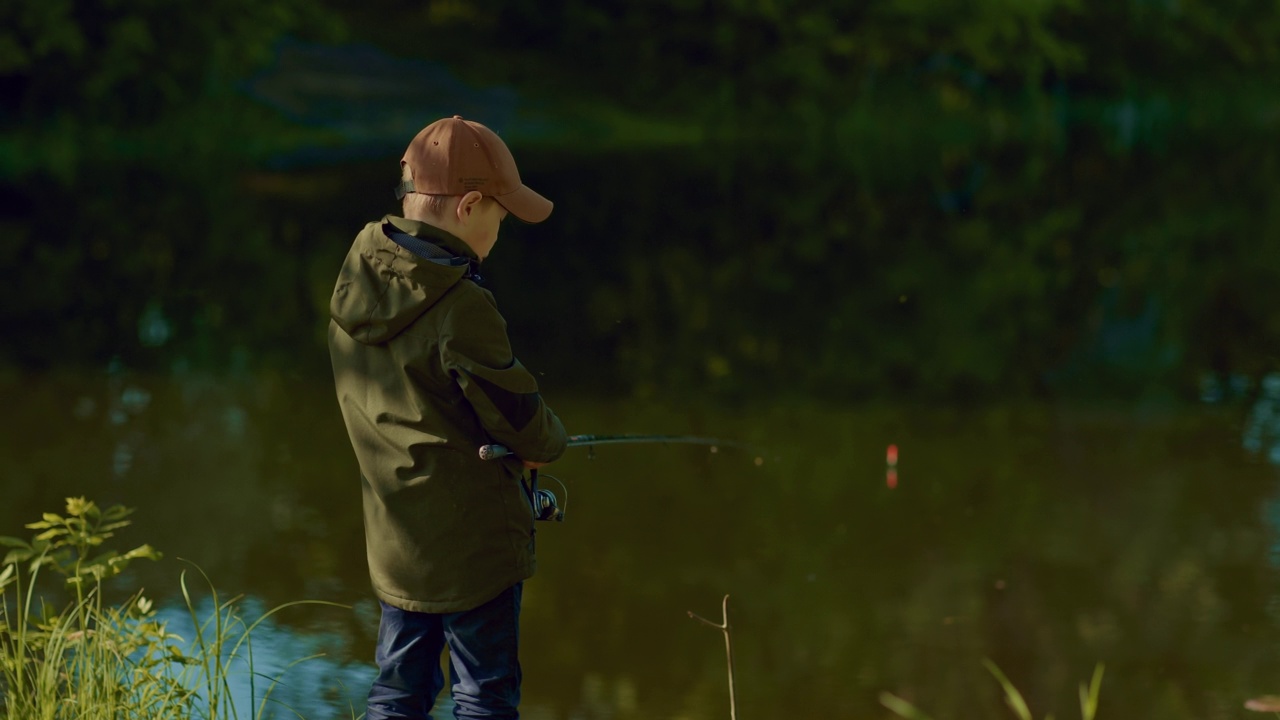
column 728, row 649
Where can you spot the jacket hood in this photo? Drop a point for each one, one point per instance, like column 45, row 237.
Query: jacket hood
column 395, row 271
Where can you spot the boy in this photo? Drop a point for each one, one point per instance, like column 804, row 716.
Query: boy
column 425, row 376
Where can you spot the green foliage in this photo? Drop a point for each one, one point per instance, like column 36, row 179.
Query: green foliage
column 114, row 62
column 91, row 83
column 778, row 57
column 899, row 197
column 91, row 659
column 1012, row 697
column 94, row 660
column 64, row 543
column 1089, row 694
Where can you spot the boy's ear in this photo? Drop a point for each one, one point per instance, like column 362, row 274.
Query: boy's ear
column 468, row 203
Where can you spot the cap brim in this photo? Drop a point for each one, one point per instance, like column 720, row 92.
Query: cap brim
column 526, row 205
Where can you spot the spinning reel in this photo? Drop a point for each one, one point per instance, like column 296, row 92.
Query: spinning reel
column 544, row 502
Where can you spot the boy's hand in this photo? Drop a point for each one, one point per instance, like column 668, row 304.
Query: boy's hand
column 531, row 465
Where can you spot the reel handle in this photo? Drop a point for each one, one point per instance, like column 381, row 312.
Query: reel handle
column 493, row 452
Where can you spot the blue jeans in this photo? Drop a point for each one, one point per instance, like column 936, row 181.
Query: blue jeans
column 483, row 662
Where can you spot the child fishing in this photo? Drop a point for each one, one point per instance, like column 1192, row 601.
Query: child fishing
column 425, row 375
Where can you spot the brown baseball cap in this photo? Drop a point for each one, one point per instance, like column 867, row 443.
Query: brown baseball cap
column 455, row 156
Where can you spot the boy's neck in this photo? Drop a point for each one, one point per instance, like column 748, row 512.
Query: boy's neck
column 454, row 241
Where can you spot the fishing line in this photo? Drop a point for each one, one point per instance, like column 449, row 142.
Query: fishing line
column 495, row 451
column 544, row 502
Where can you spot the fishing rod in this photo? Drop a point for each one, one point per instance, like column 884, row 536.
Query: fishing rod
column 544, row 502
column 493, row 452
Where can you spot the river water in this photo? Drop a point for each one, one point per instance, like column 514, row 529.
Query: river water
column 1048, row 538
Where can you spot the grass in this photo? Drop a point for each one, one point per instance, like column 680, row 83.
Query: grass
column 89, row 659
column 1012, row 698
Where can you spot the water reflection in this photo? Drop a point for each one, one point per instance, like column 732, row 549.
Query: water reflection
column 1046, row 538
column 329, row 683
column 319, row 687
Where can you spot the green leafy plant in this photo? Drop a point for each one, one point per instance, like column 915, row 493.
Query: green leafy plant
column 95, row 660
column 1012, row 697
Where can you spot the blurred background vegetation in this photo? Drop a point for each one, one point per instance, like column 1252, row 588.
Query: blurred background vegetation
column 893, row 198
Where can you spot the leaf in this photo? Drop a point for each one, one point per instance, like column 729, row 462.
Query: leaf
column 115, row 513
column 40, row 525
column 53, row 518
column 1089, row 696
column 17, row 556
column 78, row 506
column 14, row 542
column 901, row 707
column 51, row 533
column 1011, row 694
column 6, row 574
column 142, row 551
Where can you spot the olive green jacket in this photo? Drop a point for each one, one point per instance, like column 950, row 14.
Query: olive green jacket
column 425, row 376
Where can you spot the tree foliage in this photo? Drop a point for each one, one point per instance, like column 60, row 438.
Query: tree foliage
column 924, row 196
column 134, row 61
column 763, row 55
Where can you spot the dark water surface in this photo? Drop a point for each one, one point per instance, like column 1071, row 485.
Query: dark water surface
column 1047, row 538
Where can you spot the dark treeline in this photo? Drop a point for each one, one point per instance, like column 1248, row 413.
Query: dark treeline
column 929, row 198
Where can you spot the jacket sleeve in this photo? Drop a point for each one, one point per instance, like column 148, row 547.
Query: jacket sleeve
column 475, row 351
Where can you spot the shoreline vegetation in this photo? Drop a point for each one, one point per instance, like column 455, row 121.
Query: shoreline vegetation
column 93, row 659
column 1012, row 697
column 67, row 651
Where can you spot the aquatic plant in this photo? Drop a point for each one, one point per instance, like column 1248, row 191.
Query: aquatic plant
column 91, row 659
column 1012, row 697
